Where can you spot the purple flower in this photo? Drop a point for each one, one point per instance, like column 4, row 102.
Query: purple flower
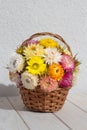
column 66, row 80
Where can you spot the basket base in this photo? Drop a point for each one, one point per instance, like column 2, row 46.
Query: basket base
column 37, row 100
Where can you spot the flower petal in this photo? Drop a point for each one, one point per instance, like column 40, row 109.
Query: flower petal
column 66, row 81
column 67, row 62
column 29, row 81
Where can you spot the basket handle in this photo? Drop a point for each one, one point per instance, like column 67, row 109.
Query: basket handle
column 49, row 34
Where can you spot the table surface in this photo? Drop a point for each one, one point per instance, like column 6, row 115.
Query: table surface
column 73, row 115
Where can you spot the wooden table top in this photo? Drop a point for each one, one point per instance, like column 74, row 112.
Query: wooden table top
column 73, row 115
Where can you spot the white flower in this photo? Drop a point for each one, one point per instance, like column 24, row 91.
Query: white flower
column 29, row 81
column 65, row 50
column 52, row 55
column 16, row 63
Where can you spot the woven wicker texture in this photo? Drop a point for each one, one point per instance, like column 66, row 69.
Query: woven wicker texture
column 37, row 100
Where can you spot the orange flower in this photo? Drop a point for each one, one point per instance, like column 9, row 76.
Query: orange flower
column 56, row 71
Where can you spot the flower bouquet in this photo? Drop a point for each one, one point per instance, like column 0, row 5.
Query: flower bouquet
column 44, row 71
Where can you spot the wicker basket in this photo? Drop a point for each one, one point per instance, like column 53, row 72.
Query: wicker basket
column 38, row 100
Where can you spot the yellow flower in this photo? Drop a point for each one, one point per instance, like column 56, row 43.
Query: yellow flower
column 56, row 71
column 36, row 65
column 20, row 50
column 64, row 50
column 33, row 50
column 48, row 42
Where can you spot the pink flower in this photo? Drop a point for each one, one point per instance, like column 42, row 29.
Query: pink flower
column 15, row 77
column 30, row 42
column 48, row 84
column 18, row 82
column 66, row 80
column 67, row 62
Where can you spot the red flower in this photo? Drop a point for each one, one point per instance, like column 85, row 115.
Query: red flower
column 66, row 80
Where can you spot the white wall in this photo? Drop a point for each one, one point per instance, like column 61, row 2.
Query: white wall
column 21, row 18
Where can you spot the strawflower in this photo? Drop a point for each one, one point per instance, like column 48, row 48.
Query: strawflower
column 67, row 62
column 56, row 71
column 33, row 50
column 64, row 50
column 52, row 55
column 28, row 42
column 48, row 84
column 36, row 66
column 29, row 81
column 48, row 42
column 66, row 80
column 15, row 77
column 16, row 63
column 20, row 49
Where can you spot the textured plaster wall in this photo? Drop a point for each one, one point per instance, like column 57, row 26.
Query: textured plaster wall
column 21, row 18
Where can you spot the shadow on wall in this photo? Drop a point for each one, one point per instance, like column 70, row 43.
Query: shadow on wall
column 7, row 91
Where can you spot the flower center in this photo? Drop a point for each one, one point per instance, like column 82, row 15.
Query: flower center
column 57, row 70
column 27, row 80
column 14, row 63
column 67, row 62
column 33, row 48
column 35, row 66
column 48, row 82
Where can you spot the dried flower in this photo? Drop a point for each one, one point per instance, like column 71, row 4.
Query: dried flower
column 29, row 81
column 20, row 49
column 67, row 62
column 48, row 84
column 52, row 55
column 56, row 71
column 29, row 42
column 15, row 77
column 16, row 63
column 64, row 50
column 66, row 81
column 43, row 63
column 48, row 42
column 33, row 50
column 36, row 65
